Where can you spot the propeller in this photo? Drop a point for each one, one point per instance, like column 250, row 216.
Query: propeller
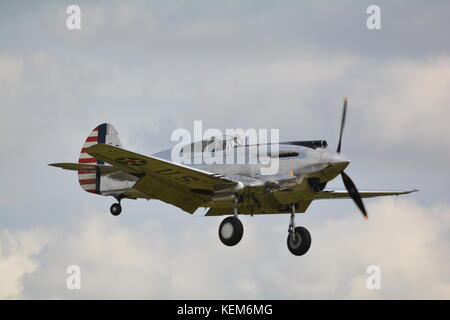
column 354, row 194
column 348, row 183
column 344, row 112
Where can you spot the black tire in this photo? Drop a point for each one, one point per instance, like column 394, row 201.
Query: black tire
column 231, row 231
column 115, row 209
column 302, row 241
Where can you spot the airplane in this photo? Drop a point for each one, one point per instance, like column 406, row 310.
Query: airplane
column 305, row 167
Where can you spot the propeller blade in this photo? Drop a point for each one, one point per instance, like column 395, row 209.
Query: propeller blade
column 344, row 111
column 354, row 194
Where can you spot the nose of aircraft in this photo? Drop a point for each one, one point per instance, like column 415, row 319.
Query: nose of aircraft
column 336, row 161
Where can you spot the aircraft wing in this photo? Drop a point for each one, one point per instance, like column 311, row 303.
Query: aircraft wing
column 177, row 184
column 343, row 194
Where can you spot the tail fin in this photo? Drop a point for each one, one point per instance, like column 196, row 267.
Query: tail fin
column 89, row 179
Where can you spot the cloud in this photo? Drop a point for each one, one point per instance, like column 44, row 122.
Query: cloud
column 407, row 99
column 405, row 239
column 18, row 250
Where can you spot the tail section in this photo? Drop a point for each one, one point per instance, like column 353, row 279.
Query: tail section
column 89, row 179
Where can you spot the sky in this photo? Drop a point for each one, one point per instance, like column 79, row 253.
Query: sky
column 151, row 67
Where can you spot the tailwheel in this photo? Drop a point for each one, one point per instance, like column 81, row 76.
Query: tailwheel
column 115, row 209
column 231, row 231
column 299, row 241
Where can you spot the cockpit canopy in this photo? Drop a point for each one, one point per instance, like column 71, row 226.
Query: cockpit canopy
column 213, row 144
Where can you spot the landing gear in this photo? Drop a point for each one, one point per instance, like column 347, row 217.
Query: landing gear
column 299, row 241
column 231, row 229
column 299, row 238
column 116, row 209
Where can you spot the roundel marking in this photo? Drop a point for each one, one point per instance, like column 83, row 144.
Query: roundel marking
column 131, row 161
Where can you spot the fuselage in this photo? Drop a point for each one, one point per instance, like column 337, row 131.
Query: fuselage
column 300, row 170
column 248, row 161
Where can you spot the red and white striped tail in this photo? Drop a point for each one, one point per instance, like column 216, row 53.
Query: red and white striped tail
column 90, row 179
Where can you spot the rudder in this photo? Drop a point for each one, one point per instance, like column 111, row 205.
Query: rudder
column 103, row 134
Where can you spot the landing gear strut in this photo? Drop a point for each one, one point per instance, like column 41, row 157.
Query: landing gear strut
column 116, row 208
column 299, row 238
column 231, row 229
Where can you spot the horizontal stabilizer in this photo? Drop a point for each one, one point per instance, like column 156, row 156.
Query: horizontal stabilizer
column 86, row 167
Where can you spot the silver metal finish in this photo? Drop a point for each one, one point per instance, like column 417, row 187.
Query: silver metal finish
column 291, row 229
column 227, row 230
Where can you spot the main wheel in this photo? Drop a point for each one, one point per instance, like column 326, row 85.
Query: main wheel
column 299, row 244
column 115, row 209
column 231, row 231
